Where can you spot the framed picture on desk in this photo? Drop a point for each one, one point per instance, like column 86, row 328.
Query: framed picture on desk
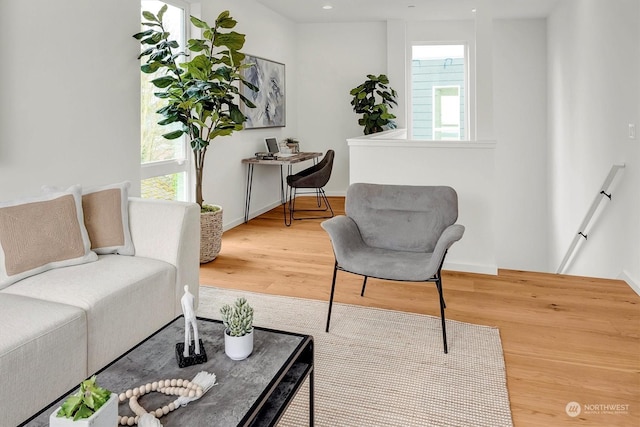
column 270, row 100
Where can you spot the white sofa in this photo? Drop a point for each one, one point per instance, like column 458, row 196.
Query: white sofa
column 61, row 326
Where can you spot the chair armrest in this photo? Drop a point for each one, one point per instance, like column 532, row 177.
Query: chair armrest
column 344, row 234
column 449, row 236
column 169, row 231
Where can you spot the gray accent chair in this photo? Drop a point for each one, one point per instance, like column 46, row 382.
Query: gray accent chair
column 395, row 232
column 313, row 178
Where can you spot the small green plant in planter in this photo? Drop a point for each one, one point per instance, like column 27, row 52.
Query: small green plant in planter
column 372, row 99
column 89, row 398
column 237, row 319
column 238, row 335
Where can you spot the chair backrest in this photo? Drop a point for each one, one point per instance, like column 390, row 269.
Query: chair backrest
column 315, row 176
column 401, row 217
column 326, row 166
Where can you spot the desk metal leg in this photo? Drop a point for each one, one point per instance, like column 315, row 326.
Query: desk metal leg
column 283, row 198
column 247, row 196
column 286, row 193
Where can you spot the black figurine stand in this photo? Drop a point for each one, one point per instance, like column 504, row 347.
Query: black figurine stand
column 192, row 358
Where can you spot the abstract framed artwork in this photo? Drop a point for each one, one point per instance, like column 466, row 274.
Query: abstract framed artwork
column 268, row 76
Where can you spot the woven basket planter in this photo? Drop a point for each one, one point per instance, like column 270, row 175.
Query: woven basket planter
column 210, row 235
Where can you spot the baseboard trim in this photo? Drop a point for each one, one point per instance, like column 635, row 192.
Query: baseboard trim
column 624, row 275
column 471, row 268
column 240, row 221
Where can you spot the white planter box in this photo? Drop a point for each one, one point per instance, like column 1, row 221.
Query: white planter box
column 107, row 416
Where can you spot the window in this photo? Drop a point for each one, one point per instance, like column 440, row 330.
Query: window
column 438, row 88
column 165, row 164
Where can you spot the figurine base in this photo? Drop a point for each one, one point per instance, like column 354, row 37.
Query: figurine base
column 192, row 358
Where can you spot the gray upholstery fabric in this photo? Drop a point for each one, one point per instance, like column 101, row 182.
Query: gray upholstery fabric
column 396, row 232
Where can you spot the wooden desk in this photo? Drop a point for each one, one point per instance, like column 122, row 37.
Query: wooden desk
column 282, row 161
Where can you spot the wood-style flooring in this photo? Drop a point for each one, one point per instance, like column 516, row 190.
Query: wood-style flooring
column 565, row 338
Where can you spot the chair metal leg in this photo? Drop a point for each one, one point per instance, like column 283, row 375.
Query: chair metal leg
column 333, row 288
column 321, row 197
column 364, row 285
column 442, row 307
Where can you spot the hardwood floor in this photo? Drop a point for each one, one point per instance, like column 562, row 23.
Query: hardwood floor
column 565, row 338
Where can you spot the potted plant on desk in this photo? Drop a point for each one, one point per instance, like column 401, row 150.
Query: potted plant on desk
column 200, row 96
column 238, row 332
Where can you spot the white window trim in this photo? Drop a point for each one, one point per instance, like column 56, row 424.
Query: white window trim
column 469, row 90
column 181, row 165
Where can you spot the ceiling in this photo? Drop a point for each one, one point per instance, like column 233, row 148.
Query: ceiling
column 310, row 11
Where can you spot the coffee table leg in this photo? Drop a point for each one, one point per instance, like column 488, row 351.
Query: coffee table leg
column 311, row 394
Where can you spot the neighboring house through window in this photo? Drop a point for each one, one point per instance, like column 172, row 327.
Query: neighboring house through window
column 165, row 165
column 438, row 92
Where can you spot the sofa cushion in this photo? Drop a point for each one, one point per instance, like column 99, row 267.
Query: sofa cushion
column 44, row 348
column 125, row 298
column 42, row 233
column 106, row 216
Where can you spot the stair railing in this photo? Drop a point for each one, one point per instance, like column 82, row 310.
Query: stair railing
column 604, row 193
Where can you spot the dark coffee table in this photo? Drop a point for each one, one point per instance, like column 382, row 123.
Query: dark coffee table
column 252, row 392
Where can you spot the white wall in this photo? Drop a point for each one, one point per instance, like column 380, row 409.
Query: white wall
column 520, row 104
column 69, row 94
column 439, row 163
column 69, row 113
column 594, row 64
column 270, row 36
column 69, row 110
column 333, row 59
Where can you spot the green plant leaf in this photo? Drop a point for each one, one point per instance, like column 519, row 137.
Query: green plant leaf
column 236, row 114
column 198, row 144
column 226, row 22
column 83, row 412
column 139, row 36
column 162, row 82
column 150, row 16
column 70, row 406
column 173, row 135
column 199, row 23
column 232, row 40
column 161, row 12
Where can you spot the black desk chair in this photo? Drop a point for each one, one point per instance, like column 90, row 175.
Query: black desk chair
column 315, row 177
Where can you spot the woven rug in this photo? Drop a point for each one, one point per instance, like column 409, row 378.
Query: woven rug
column 385, row 368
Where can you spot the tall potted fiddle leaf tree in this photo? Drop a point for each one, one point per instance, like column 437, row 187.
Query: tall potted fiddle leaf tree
column 201, row 96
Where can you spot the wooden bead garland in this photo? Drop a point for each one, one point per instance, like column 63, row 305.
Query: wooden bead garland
column 172, row 387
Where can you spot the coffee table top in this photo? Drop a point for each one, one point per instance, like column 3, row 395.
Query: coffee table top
column 242, row 386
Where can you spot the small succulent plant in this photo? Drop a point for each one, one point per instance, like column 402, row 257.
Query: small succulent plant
column 237, row 319
column 89, row 398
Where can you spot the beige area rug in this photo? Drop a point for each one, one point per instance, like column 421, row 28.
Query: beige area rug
column 385, row 368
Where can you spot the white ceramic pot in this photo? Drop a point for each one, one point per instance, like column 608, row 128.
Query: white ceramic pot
column 238, row 348
column 107, row 416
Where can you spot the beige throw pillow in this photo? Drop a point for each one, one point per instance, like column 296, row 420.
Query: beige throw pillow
column 106, row 216
column 39, row 234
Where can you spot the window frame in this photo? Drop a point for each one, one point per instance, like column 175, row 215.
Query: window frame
column 469, row 86
column 161, row 168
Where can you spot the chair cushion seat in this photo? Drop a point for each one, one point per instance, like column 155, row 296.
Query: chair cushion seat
column 389, row 264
